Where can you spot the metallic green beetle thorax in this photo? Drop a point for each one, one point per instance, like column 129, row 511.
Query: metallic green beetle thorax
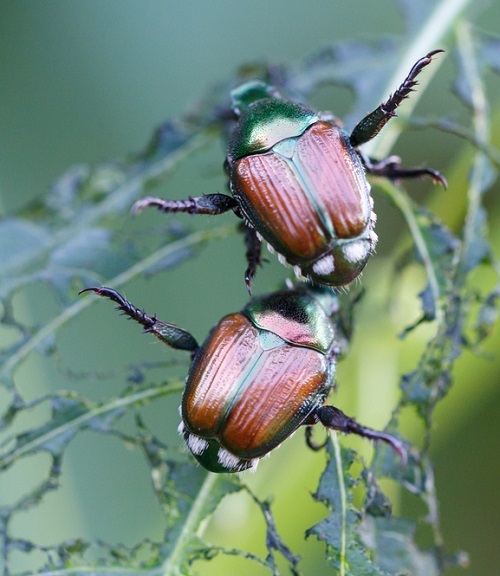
column 267, row 122
column 296, row 317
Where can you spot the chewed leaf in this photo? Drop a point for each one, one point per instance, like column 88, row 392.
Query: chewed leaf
column 61, row 198
column 20, row 242
column 346, row 551
column 397, row 551
column 488, row 316
column 436, row 248
column 69, row 415
column 478, row 249
column 90, row 249
column 442, row 244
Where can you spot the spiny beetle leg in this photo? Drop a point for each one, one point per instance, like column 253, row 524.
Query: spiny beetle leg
column 123, row 305
column 371, row 124
column 168, row 333
column 335, row 419
column 212, row 204
column 391, row 168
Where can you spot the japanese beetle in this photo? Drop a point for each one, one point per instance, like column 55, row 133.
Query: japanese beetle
column 259, row 375
column 297, row 179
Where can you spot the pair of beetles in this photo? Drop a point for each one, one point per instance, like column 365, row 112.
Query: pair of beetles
column 297, row 181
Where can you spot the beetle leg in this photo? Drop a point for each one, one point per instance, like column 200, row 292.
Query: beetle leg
column 371, row 124
column 391, row 168
column 313, row 445
column 335, row 419
column 212, row 204
column 169, row 333
column 253, row 254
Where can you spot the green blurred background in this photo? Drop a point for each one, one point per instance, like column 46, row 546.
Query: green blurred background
column 82, row 82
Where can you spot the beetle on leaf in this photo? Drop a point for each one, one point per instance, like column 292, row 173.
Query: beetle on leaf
column 261, row 374
column 297, row 180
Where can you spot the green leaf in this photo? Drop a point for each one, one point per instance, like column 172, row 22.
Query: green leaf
column 340, row 529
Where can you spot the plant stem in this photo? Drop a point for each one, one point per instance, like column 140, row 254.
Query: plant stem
column 172, row 565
